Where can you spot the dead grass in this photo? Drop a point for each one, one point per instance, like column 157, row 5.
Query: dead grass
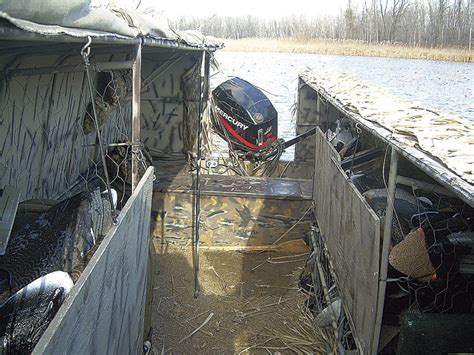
column 250, row 303
column 349, row 48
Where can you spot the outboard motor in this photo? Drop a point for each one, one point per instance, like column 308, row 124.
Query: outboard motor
column 243, row 115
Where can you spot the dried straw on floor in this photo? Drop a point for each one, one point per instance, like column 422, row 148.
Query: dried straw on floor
column 304, row 337
column 255, row 309
column 298, row 335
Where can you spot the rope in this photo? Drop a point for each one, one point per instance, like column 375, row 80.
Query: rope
column 85, row 52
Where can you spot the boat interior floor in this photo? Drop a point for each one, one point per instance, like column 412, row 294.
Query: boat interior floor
column 247, row 300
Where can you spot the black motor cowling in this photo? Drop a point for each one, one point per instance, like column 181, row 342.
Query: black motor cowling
column 243, row 115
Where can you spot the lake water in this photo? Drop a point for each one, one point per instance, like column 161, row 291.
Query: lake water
column 444, row 86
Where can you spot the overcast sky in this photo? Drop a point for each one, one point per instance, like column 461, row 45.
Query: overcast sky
column 265, row 8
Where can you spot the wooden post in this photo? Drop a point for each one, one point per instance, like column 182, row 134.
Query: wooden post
column 136, row 88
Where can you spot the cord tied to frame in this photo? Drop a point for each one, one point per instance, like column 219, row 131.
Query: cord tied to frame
column 143, row 155
column 85, row 53
column 140, row 151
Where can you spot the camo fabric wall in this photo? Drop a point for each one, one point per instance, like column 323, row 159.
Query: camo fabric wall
column 312, row 110
column 168, row 105
column 307, row 116
column 43, row 147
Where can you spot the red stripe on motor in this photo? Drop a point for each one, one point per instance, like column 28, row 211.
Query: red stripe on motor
column 239, row 138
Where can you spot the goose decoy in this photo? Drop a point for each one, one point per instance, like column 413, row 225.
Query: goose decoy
column 25, row 316
column 58, row 239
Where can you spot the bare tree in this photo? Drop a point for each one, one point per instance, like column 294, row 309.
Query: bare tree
column 412, row 22
column 399, row 8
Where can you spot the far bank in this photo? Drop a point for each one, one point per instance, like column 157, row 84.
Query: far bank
column 346, row 47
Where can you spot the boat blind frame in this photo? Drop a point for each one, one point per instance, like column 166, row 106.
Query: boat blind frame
column 429, row 165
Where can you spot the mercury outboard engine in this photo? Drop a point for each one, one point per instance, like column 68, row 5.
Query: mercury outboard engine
column 243, row 115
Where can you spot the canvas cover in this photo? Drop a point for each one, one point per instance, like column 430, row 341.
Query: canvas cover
column 79, row 18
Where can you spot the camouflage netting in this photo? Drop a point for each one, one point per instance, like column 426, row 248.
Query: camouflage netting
column 426, row 133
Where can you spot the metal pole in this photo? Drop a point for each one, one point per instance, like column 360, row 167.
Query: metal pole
column 136, row 89
column 424, row 186
column 387, row 233
column 197, row 190
column 94, row 66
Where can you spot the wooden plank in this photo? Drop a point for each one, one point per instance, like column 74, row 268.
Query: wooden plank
column 238, row 186
column 351, row 231
column 228, row 220
column 104, row 312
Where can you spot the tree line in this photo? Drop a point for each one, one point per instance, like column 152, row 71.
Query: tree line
column 432, row 23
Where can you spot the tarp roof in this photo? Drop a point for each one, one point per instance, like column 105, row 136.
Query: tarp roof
column 77, row 18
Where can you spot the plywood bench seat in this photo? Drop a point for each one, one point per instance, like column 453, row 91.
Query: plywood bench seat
column 238, row 186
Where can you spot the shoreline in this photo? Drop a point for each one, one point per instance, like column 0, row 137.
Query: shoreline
column 346, row 48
